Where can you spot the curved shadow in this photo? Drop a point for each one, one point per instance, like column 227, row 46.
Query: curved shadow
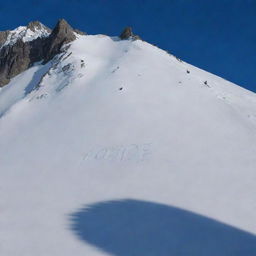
column 140, row 228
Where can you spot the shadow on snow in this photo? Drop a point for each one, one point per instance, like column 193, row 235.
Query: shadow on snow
column 140, row 228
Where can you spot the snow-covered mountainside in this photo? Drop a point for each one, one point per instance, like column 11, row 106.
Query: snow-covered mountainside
column 115, row 147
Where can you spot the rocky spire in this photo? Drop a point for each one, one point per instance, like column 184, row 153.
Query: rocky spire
column 63, row 30
column 61, row 34
column 127, row 34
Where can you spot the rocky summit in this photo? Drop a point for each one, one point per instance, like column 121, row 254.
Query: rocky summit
column 22, row 47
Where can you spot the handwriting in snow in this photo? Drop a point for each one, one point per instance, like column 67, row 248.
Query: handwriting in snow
column 132, row 152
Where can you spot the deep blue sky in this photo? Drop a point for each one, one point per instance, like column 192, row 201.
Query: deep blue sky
column 216, row 35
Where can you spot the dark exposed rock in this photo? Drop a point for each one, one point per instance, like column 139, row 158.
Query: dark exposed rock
column 3, row 36
column 13, row 60
column 61, row 34
column 127, row 34
column 18, row 57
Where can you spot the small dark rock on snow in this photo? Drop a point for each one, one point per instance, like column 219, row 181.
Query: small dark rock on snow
column 128, row 34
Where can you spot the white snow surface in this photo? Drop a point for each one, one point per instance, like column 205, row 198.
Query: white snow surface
column 110, row 120
column 25, row 34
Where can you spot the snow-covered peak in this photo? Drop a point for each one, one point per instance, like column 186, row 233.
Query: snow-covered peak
column 108, row 120
column 27, row 33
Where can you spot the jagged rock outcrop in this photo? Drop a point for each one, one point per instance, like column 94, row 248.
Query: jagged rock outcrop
column 61, row 34
column 128, row 34
column 3, row 36
column 16, row 58
column 13, row 60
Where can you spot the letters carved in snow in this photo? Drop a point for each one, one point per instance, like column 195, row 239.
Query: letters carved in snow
column 132, row 152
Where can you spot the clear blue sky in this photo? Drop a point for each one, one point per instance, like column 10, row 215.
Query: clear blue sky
column 216, row 35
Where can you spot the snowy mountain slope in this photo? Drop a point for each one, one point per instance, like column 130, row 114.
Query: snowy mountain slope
column 21, row 85
column 111, row 120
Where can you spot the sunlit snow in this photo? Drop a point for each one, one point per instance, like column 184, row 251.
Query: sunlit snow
column 111, row 120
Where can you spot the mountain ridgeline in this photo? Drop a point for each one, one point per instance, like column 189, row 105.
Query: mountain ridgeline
column 21, row 48
column 16, row 58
